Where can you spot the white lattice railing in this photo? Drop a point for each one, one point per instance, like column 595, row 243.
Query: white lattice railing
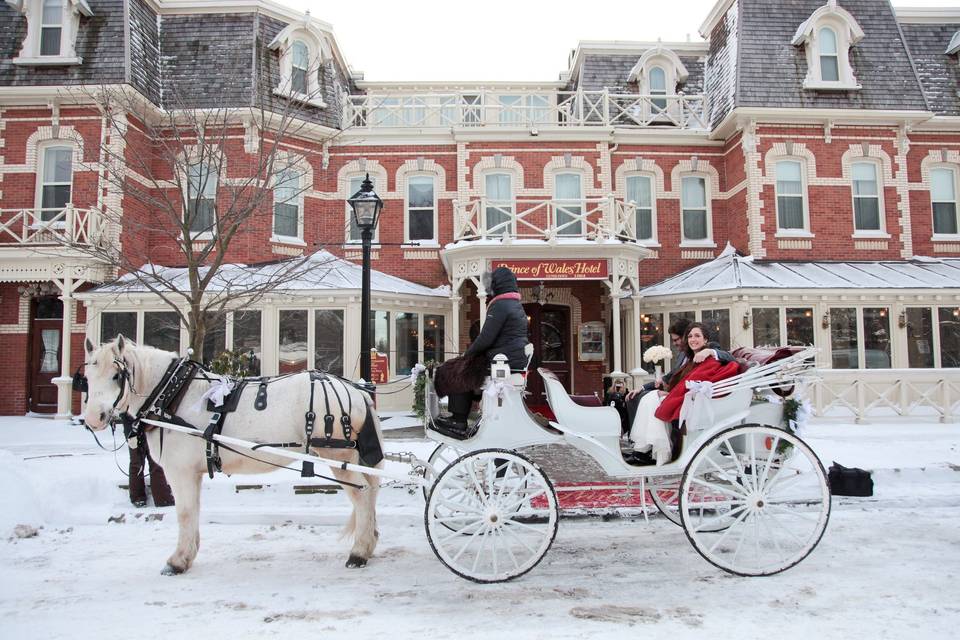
column 525, row 110
column 539, row 219
column 39, row 227
column 886, row 393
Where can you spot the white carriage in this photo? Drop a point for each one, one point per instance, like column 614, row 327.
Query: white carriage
column 751, row 496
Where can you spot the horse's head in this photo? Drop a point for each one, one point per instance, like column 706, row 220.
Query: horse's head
column 109, row 370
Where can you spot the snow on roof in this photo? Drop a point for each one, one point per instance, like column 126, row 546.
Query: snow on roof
column 323, row 271
column 730, row 271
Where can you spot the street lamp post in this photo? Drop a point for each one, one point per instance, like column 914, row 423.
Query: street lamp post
column 366, row 206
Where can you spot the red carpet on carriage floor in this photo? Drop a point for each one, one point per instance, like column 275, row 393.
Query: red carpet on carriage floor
column 599, row 495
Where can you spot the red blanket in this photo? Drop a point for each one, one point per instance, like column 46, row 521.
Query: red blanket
column 710, row 370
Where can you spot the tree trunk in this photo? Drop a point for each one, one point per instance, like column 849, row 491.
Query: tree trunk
column 197, row 330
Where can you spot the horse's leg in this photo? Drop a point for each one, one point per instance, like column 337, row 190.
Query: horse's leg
column 363, row 521
column 186, row 493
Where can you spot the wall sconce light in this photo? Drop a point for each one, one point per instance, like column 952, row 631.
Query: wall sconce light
column 825, row 321
column 747, row 320
column 902, row 320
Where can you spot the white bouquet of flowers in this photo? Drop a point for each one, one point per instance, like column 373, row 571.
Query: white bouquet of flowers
column 657, row 355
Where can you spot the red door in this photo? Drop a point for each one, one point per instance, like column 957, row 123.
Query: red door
column 549, row 332
column 46, row 340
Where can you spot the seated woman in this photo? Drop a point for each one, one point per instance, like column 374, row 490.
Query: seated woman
column 652, row 425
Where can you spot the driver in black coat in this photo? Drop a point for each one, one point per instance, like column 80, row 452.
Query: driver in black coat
column 504, row 331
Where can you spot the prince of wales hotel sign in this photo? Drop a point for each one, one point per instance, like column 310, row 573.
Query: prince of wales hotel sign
column 556, row 269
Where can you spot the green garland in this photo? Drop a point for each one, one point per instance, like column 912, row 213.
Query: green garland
column 791, row 407
column 420, row 392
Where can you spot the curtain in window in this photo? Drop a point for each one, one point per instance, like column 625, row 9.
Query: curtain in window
column 301, row 64
column 789, row 195
column 569, row 204
column 286, row 204
column 944, row 196
column 829, row 61
column 658, row 87
column 57, row 182
column 499, row 203
column 694, row 199
column 51, row 27
column 866, row 198
column 639, row 191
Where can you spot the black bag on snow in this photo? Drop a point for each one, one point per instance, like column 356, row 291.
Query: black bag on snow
column 850, row 482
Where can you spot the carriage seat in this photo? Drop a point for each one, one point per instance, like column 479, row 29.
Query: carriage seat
column 596, row 421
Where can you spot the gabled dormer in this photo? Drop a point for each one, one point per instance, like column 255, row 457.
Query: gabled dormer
column 52, row 27
column 303, row 49
column 827, row 36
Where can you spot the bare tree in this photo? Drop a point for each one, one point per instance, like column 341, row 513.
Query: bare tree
column 185, row 185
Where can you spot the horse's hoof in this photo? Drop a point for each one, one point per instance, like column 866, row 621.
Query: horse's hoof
column 171, row 570
column 356, row 562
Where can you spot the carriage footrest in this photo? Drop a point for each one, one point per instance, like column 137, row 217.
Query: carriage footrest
column 448, row 429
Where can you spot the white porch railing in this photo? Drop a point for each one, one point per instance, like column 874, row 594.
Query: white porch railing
column 592, row 218
column 45, row 227
column 525, row 110
column 887, row 393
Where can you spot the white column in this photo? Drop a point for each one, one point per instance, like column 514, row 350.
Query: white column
column 65, row 381
column 637, row 346
column 269, row 335
column 482, row 294
column 454, row 325
column 615, row 318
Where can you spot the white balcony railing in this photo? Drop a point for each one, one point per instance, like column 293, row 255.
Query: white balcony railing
column 859, row 395
column 34, row 227
column 525, row 110
column 591, row 218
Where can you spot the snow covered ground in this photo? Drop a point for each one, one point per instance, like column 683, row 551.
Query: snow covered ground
column 271, row 563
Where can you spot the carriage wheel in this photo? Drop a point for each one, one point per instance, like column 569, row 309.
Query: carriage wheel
column 775, row 506
column 666, row 496
column 491, row 516
column 439, row 460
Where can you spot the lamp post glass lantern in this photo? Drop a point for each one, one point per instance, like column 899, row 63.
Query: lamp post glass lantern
column 366, row 206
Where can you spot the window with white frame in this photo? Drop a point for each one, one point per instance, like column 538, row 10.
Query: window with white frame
column 200, row 210
column 498, row 188
column 353, row 230
column 658, row 87
column 568, row 204
column 421, row 209
column 300, row 67
column 287, row 215
column 695, row 210
column 56, row 182
column 301, row 48
column 791, row 207
column 829, row 60
column 867, row 214
column 827, row 36
column 52, row 27
column 943, row 196
column 640, row 195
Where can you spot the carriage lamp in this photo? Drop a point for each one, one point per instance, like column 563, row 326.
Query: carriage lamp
column 825, row 321
column 747, row 321
column 902, row 319
column 366, row 206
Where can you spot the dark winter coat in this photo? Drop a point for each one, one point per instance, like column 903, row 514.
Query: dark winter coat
column 461, row 375
column 505, row 328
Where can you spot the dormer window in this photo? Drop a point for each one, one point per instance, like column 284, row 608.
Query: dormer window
column 827, row 36
column 52, row 27
column 658, row 73
column 302, row 50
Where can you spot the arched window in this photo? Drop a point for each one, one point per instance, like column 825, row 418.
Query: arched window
column 829, row 58
column 658, row 87
column 300, row 61
column 498, row 188
column 568, row 204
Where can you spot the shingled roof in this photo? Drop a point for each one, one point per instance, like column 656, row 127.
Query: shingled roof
column 939, row 72
column 772, row 69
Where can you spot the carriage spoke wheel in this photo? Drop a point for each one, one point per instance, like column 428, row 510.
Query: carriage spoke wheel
column 439, row 460
column 767, row 500
column 491, row 516
column 666, row 496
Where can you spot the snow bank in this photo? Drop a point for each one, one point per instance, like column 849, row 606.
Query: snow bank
column 18, row 500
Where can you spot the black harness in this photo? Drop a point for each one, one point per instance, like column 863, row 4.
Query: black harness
column 164, row 400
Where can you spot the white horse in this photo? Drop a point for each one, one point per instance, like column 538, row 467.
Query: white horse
column 183, row 457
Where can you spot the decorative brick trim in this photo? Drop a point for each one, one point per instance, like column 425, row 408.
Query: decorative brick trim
column 419, row 254
column 946, row 248
column 285, row 250
column 496, row 164
column 574, row 164
column 749, row 141
column 870, row 245
column 23, row 319
column 902, row 180
column 795, row 244
column 361, row 166
column 697, row 254
column 357, row 254
column 639, row 165
column 420, row 166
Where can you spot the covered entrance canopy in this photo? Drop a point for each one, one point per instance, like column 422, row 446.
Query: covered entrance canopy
column 548, row 270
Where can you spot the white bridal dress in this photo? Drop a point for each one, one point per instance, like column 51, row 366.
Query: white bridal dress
column 648, row 433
